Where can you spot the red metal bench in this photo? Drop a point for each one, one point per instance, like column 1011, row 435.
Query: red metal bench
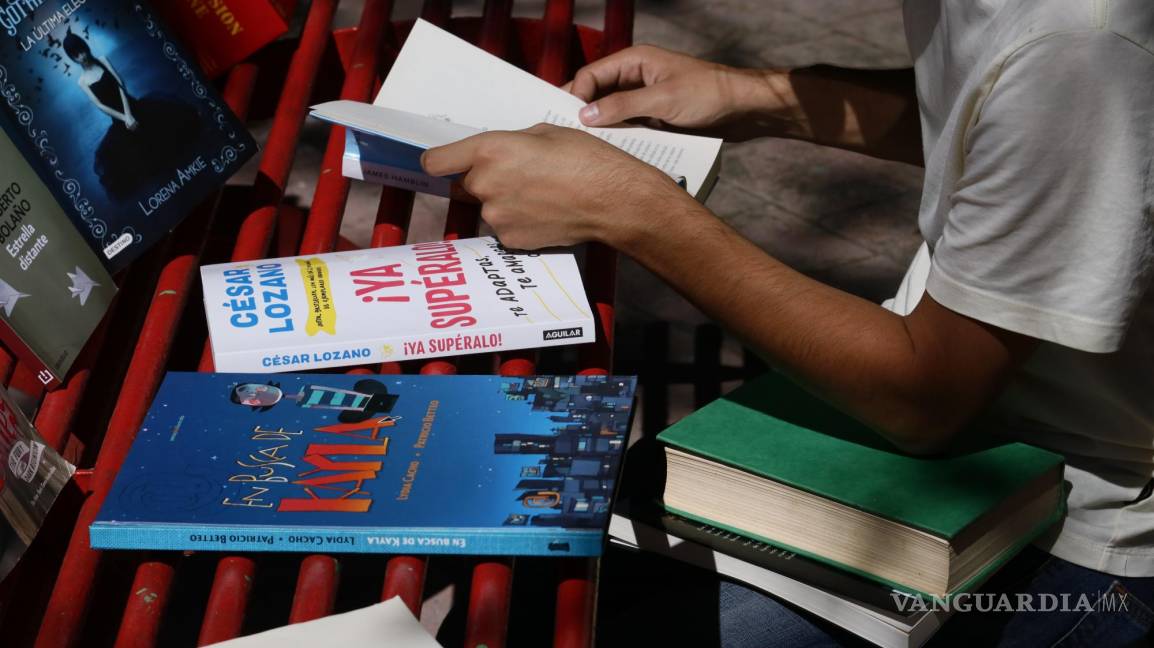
column 65, row 594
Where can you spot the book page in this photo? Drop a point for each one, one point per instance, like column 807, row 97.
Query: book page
column 439, row 75
column 384, row 624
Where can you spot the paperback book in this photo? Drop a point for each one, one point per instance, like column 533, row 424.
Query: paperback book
column 476, row 91
column 53, row 289
column 385, row 464
column 108, row 111
column 32, row 475
column 388, row 304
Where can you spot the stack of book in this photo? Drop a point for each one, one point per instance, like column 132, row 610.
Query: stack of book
column 772, row 487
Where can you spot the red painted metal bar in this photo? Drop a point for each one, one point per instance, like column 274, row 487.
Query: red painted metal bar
column 146, row 604
column 573, row 616
column 558, row 25
column 316, row 589
column 487, row 624
column 405, row 577
column 228, row 600
column 332, row 189
column 58, row 410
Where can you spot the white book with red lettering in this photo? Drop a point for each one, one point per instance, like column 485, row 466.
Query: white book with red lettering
column 427, row 300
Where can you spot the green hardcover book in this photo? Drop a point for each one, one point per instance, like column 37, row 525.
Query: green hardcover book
column 775, row 463
column 53, row 289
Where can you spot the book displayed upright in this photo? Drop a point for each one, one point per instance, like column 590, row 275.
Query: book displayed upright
column 221, row 34
column 372, row 464
column 773, row 463
column 116, row 121
column 32, row 475
column 388, row 304
column 53, row 289
column 475, row 91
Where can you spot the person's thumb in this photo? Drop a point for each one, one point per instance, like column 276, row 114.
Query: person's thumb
column 619, row 106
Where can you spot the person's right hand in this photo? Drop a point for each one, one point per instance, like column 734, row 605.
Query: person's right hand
column 674, row 90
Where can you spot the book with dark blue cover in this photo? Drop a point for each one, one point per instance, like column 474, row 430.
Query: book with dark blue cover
column 109, row 112
column 389, row 464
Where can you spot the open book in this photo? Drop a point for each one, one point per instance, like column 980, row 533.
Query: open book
column 442, row 89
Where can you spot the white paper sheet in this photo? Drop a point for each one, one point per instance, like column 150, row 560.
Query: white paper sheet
column 384, row 624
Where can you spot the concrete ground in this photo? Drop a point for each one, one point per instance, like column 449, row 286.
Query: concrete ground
column 844, row 218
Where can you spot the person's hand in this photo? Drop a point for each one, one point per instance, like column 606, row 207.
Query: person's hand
column 548, row 186
column 130, row 122
column 673, row 89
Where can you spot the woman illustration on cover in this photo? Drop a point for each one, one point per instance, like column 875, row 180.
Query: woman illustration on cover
column 149, row 138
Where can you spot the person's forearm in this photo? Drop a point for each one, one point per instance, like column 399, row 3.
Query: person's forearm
column 857, row 355
column 874, row 112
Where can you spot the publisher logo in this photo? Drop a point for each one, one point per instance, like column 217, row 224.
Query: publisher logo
column 24, row 459
column 562, row 334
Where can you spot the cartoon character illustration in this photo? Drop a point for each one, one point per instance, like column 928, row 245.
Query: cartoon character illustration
column 366, row 399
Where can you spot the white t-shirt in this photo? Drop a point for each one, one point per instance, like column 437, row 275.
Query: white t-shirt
column 1038, row 213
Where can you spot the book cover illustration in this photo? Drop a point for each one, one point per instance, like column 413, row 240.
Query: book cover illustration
column 388, row 304
column 106, row 107
column 417, row 464
column 33, row 474
column 53, row 289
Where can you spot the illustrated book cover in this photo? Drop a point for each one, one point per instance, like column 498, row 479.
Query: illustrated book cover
column 426, row 300
column 773, row 463
column 389, row 464
column 53, row 289
column 113, row 117
column 476, row 91
column 32, row 475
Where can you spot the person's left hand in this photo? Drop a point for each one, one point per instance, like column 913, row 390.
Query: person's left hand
column 548, row 186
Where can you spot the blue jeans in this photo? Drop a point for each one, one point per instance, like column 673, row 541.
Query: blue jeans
column 749, row 619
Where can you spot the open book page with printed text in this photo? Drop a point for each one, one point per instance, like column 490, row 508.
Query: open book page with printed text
column 439, row 75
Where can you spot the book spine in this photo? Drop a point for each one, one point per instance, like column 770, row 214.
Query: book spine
column 173, row 537
column 399, row 348
column 359, row 168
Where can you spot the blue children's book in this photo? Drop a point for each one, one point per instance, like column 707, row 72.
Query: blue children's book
column 373, row 464
column 115, row 119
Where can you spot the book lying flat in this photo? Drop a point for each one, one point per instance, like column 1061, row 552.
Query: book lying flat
column 372, row 464
column 426, row 300
column 455, row 89
column 859, row 606
column 771, row 462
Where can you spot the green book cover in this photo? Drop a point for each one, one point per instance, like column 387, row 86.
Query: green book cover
column 53, row 289
column 775, row 429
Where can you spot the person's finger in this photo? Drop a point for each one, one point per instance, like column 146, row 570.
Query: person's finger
column 453, row 158
column 616, row 71
column 568, row 86
column 619, row 106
